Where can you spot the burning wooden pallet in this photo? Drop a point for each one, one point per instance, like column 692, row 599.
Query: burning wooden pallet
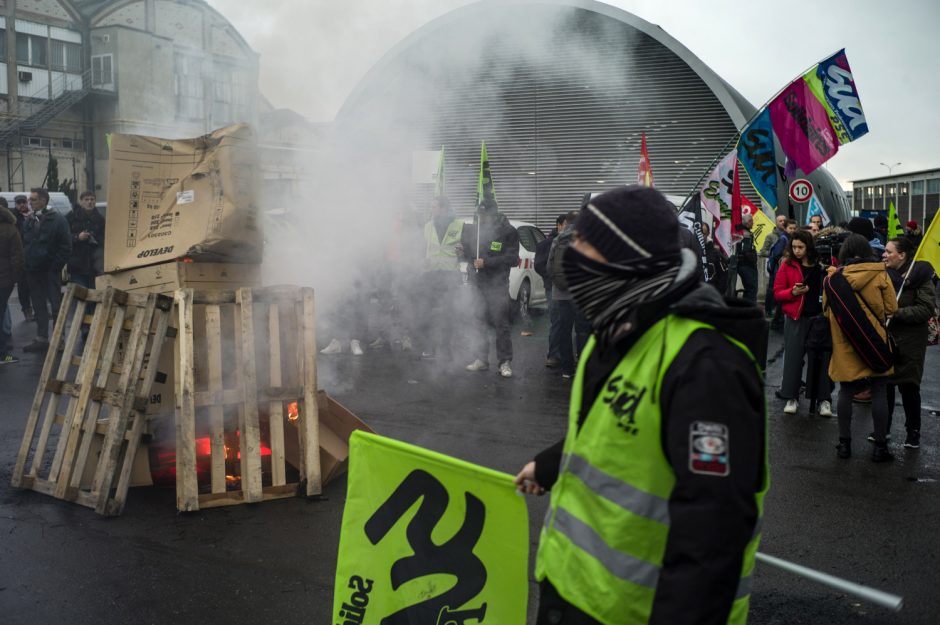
column 247, row 376
column 107, row 386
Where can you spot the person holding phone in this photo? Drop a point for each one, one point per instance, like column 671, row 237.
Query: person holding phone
column 798, row 290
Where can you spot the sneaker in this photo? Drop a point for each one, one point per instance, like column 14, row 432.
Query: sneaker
column 505, row 370
column 406, row 345
column 39, row 345
column 791, row 406
column 880, row 453
column 551, row 363
column 427, row 355
column 333, row 348
column 825, row 409
column 355, row 347
column 477, row 365
column 377, row 344
column 8, row 359
column 567, row 376
column 871, row 437
column 862, row 397
column 913, row 439
column 844, row 448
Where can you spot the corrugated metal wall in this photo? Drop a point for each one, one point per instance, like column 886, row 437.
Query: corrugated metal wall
column 559, row 123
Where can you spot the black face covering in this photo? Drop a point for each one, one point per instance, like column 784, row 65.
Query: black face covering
column 608, row 293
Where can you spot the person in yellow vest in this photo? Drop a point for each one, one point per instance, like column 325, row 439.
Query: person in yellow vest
column 657, row 490
column 441, row 280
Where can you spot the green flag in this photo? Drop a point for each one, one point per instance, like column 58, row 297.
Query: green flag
column 486, row 191
column 894, row 226
column 428, row 539
column 439, row 187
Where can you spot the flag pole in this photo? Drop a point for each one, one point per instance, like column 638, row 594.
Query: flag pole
column 878, row 597
column 737, row 134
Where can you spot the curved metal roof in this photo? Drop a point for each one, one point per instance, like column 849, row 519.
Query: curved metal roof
column 564, row 137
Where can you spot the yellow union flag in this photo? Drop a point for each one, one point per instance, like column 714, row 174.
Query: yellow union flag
column 428, row 539
column 929, row 249
column 761, row 228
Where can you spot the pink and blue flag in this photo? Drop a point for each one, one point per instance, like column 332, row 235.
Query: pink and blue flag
column 801, row 123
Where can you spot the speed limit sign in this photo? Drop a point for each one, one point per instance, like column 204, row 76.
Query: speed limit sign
column 801, row 190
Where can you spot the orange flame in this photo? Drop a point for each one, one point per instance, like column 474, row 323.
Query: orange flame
column 293, row 411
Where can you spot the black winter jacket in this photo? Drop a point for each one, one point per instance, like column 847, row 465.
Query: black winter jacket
column 46, row 241
column 499, row 249
column 82, row 260
column 11, row 250
column 711, row 518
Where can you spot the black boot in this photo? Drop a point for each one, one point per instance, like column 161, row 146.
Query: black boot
column 844, row 448
column 880, row 453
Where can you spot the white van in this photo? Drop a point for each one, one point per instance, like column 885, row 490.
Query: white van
column 57, row 200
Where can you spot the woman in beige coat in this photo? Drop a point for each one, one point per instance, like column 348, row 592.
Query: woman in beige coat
column 873, row 289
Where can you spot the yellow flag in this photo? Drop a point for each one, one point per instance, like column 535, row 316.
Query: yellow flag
column 929, row 249
column 428, row 539
column 894, row 224
column 761, row 228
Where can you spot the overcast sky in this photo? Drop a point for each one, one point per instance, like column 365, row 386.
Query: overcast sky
column 314, row 52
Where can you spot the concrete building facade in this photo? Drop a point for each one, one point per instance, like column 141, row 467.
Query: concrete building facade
column 77, row 70
column 915, row 195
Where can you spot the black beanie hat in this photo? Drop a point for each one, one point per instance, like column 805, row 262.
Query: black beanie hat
column 861, row 225
column 630, row 223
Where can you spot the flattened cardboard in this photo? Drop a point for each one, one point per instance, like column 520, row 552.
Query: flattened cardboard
column 195, row 198
column 168, row 277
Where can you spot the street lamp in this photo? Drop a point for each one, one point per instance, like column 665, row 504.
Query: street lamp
column 890, row 167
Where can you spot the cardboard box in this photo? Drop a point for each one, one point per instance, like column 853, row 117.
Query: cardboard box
column 337, row 424
column 195, row 198
column 168, row 277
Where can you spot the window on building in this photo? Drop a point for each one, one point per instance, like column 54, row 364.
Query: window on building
column 31, row 50
column 37, row 142
column 917, row 187
column 869, row 191
column 891, row 189
column 3, row 43
column 879, row 191
column 102, row 71
column 189, row 87
column 65, row 56
column 933, row 186
column 73, row 144
column 902, row 189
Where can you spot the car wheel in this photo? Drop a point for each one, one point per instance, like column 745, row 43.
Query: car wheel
column 521, row 309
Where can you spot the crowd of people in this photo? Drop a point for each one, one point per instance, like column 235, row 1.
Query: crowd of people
column 826, row 337
column 40, row 249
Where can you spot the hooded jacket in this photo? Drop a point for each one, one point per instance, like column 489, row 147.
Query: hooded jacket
column 874, row 291
column 711, row 519
column 11, row 250
column 499, row 249
column 909, row 324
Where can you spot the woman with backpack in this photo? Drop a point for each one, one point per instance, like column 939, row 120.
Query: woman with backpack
column 908, row 326
column 858, row 298
column 798, row 290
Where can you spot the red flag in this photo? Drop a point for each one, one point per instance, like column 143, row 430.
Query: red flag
column 644, row 174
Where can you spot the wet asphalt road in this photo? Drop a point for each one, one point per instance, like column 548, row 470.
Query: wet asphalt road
column 274, row 562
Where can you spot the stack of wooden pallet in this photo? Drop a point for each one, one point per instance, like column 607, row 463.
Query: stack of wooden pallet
column 249, row 423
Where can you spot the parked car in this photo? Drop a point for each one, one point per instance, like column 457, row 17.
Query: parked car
column 526, row 288
column 57, row 200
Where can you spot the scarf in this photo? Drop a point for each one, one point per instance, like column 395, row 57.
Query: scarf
column 609, row 293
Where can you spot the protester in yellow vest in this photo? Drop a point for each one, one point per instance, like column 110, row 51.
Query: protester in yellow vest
column 441, row 279
column 657, row 490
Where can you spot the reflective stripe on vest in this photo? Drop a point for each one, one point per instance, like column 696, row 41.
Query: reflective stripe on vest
column 607, row 529
column 441, row 254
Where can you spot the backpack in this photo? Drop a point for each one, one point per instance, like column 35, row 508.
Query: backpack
column 876, row 352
